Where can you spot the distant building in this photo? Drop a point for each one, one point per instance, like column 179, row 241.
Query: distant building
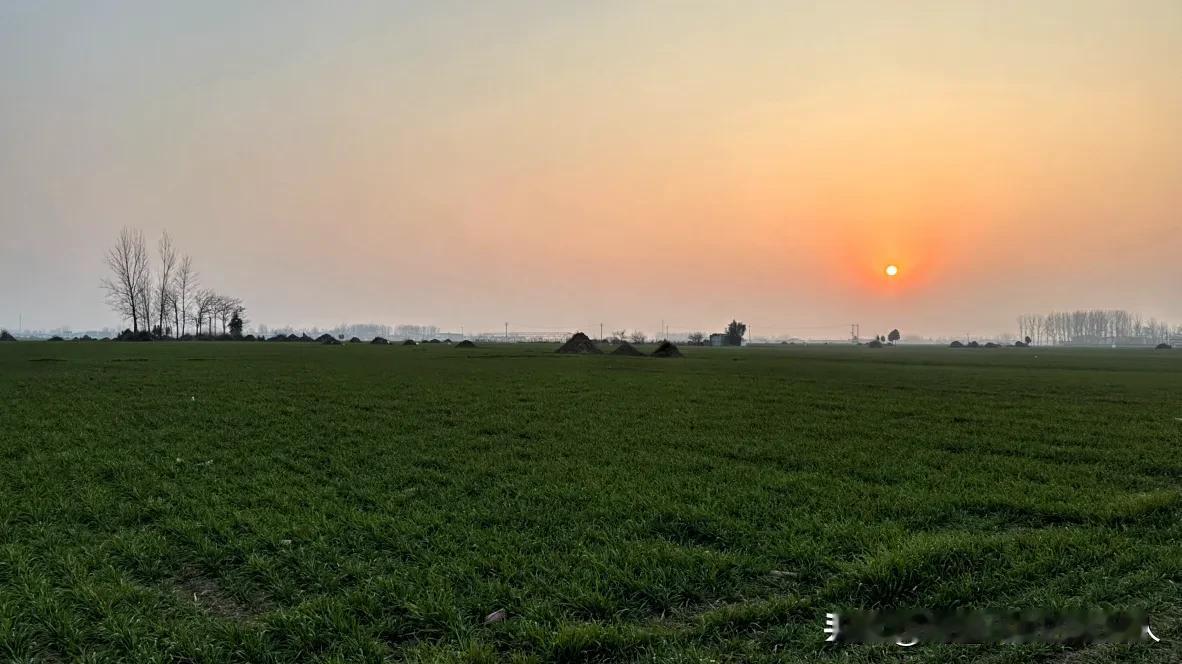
column 719, row 339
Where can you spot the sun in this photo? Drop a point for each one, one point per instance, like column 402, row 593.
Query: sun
column 892, row 270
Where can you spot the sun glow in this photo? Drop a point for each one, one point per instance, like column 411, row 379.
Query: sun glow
column 892, row 270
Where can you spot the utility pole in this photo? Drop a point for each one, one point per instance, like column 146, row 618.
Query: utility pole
column 601, row 330
column 506, row 332
column 461, row 333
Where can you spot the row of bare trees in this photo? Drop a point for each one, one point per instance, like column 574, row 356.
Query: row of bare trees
column 166, row 300
column 1091, row 326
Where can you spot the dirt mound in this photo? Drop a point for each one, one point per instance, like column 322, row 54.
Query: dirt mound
column 379, row 341
column 992, row 345
column 579, row 343
column 465, row 344
column 434, row 341
column 667, row 349
column 874, row 344
column 447, row 341
column 1164, row 346
column 355, row 340
column 410, row 342
column 956, row 344
column 5, row 336
column 626, row 348
column 328, row 340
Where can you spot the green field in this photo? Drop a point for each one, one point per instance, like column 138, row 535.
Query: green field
column 260, row 502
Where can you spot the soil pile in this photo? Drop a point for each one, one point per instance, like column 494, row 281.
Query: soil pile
column 667, row 349
column 465, row 344
column 577, row 344
column 626, row 348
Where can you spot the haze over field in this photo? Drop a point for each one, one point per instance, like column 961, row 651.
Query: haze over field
column 565, row 164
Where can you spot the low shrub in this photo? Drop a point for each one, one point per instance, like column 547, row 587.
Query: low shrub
column 128, row 335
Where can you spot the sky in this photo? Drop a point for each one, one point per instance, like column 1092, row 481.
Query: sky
column 557, row 165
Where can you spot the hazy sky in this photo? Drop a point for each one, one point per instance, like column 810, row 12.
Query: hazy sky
column 569, row 163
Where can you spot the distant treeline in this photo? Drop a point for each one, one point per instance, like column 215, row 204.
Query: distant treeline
column 359, row 330
column 1094, row 326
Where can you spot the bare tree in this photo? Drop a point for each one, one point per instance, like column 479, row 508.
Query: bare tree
column 203, row 305
column 184, row 283
column 637, row 337
column 130, row 278
column 165, row 294
column 225, row 308
column 147, row 298
column 696, row 338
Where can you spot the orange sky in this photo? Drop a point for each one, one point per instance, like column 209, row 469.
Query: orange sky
column 562, row 164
